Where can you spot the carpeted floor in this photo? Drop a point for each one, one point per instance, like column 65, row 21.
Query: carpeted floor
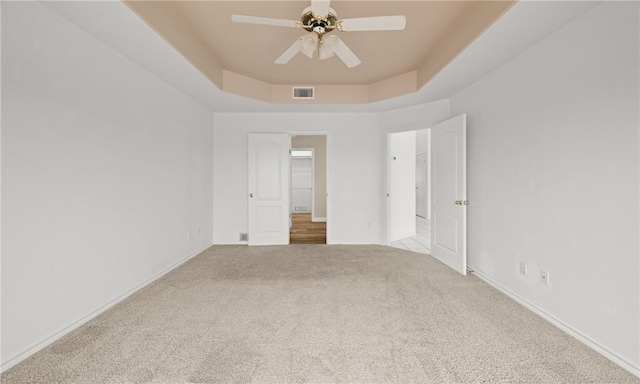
column 317, row 313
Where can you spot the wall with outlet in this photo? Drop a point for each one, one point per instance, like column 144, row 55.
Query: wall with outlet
column 106, row 177
column 553, row 178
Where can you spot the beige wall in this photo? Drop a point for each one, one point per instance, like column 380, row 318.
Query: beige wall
column 319, row 145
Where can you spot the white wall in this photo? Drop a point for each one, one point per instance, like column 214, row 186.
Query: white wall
column 402, row 185
column 553, row 165
column 353, row 180
column 105, row 170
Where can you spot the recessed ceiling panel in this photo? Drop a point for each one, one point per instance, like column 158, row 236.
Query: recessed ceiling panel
column 249, row 50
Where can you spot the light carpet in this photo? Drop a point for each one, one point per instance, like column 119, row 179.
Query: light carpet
column 319, row 314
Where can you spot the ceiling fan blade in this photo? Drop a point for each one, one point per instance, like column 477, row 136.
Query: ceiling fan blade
column 264, row 21
column 290, row 52
column 346, row 55
column 306, row 44
column 320, row 7
column 378, row 23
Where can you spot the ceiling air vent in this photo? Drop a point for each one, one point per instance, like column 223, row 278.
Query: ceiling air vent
column 303, row 93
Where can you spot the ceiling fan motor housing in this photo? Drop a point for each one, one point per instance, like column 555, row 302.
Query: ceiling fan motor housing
column 319, row 24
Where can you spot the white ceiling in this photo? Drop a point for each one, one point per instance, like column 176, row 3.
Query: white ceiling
column 521, row 27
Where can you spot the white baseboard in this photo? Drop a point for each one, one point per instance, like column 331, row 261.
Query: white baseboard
column 627, row 365
column 319, row 219
column 77, row 323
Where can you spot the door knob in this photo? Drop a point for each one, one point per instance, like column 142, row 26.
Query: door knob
column 462, row 202
column 458, row 202
column 251, row 195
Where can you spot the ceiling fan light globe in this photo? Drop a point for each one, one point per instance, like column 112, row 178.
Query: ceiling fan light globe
column 325, row 53
column 330, row 43
column 308, row 44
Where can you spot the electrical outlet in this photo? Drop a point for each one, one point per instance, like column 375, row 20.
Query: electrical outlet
column 523, row 268
column 544, row 277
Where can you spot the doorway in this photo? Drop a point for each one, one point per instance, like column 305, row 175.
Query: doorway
column 448, row 193
column 308, row 189
column 409, row 226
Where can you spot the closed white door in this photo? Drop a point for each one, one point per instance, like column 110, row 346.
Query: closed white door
column 268, row 196
column 449, row 193
column 421, row 185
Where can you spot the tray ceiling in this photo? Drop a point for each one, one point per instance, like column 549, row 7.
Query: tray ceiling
column 239, row 58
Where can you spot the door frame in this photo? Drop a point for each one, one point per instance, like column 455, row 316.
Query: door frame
column 327, row 174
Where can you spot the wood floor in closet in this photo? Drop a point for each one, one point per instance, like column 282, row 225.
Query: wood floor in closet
column 304, row 231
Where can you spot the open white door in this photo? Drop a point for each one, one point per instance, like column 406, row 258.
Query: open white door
column 449, row 193
column 269, row 188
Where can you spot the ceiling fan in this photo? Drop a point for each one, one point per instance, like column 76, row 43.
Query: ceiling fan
column 319, row 19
